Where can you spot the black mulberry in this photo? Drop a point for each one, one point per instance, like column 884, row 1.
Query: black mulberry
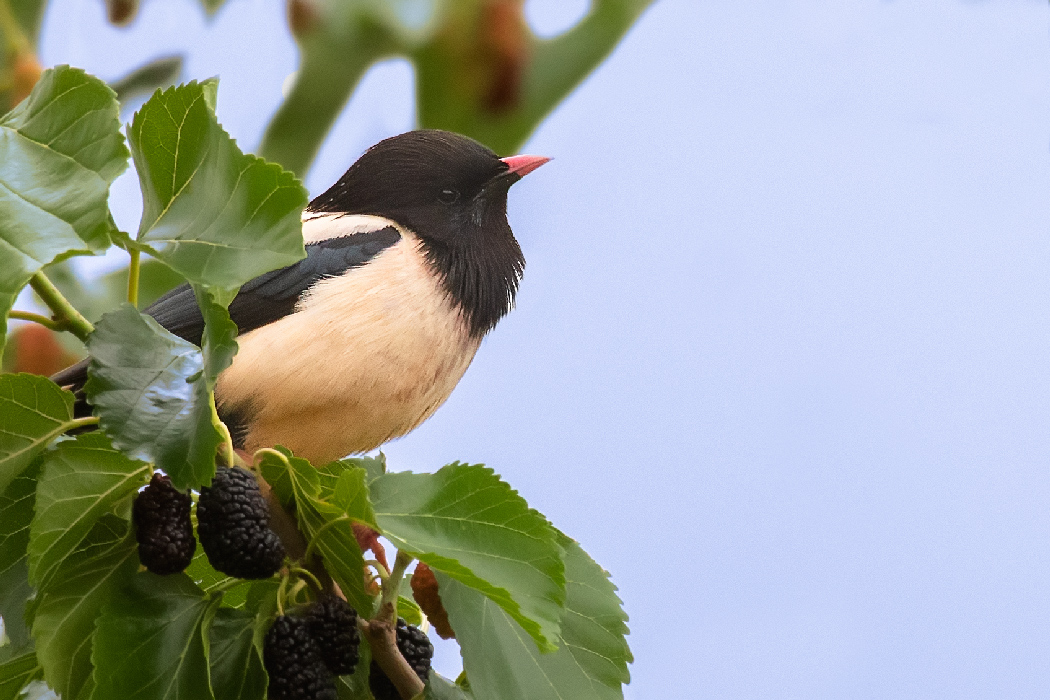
column 233, row 524
column 417, row 650
column 162, row 527
column 333, row 625
column 293, row 661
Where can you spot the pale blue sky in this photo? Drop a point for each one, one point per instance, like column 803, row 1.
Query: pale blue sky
column 780, row 359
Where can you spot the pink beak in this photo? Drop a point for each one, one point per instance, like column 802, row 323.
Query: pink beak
column 523, row 165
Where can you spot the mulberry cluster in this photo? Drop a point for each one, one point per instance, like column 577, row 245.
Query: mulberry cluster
column 417, row 650
column 233, row 524
column 293, row 661
column 333, row 625
column 162, row 527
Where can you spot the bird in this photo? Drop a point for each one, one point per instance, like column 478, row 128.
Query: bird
column 410, row 262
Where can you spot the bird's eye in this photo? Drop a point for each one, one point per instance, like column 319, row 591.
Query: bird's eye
column 448, row 196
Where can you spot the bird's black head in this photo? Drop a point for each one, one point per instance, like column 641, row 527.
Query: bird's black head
column 451, row 191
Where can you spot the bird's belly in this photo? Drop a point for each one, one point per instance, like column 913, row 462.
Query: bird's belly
column 366, row 358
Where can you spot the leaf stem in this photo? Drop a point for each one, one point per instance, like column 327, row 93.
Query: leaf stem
column 280, row 591
column 392, row 584
column 313, row 540
column 318, row 588
column 36, row 318
column 273, row 453
column 133, row 277
column 228, row 455
column 65, row 314
column 82, row 422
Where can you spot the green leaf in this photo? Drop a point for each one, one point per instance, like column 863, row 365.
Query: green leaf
column 441, row 688
column 60, row 150
column 33, row 412
column 17, row 674
column 466, row 522
column 374, row 467
column 217, row 216
column 16, row 513
column 151, row 643
column 80, row 480
column 202, row 573
column 236, row 665
column 152, row 396
column 502, row 663
column 351, row 494
column 65, row 615
column 295, row 481
column 409, row 611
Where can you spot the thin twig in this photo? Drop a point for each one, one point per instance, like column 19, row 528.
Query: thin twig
column 44, row 321
column 64, row 312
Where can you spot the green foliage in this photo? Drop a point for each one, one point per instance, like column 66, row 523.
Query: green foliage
column 16, row 513
column 500, row 662
column 152, row 641
column 33, row 412
column 466, row 522
column 215, row 215
column 79, row 482
column 17, row 674
column 534, row 615
column 153, row 396
column 60, row 150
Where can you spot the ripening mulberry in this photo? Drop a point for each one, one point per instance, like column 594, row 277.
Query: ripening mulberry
column 293, row 661
column 425, row 591
column 416, row 649
column 333, row 625
column 233, row 524
column 162, row 527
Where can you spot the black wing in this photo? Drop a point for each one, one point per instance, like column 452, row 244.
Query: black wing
column 272, row 296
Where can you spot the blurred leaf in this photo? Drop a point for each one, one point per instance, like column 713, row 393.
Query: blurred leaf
column 338, row 42
column 479, row 69
column 65, row 615
column 151, row 642
column 296, row 482
column 16, row 513
column 158, row 73
column 16, row 674
column 501, row 663
column 152, row 396
column 236, row 665
column 466, row 522
column 212, row 6
column 79, row 481
column 33, row 412
column 483, row 73
column 215, row 215
column 59, row 151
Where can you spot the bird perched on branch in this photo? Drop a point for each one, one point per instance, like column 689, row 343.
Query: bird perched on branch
column 410, row 262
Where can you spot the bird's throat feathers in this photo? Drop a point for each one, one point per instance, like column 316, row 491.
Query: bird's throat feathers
column 479, row 272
